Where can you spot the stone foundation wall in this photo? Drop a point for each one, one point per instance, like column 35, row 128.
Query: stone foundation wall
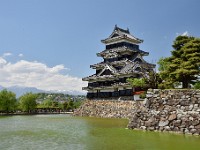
column 108, row 108
column 162, row 110
column 169, row 110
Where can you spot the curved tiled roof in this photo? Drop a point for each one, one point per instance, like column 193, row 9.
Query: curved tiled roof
column 119, row 33
column 119, row 50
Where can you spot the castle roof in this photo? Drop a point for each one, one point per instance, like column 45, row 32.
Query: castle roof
column 121, row 34
column 115, row 52
column 115, row 85
column 128, row 68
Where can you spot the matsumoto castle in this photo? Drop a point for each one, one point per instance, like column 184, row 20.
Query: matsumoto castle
column 122, row 59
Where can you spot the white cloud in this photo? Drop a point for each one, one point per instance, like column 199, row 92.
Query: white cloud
column 186, row 33
column 39, row 75
column 20, row 55
column 7, row 54
column 2, row 61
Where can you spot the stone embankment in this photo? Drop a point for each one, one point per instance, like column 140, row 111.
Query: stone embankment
column 108, row 108
column 162, row 110
column 169, row 110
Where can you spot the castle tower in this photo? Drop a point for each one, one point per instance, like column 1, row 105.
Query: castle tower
column 122, row 59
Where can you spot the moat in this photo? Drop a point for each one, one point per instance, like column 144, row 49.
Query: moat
column 56, row 132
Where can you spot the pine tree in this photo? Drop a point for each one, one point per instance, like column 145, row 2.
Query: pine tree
column 184, row 64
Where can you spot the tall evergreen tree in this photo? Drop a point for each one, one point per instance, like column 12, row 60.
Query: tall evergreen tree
column 184, row 64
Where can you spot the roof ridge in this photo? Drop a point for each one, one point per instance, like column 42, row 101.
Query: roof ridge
column 122, row 30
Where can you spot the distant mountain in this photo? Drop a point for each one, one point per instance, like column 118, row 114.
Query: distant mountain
column 18, row 90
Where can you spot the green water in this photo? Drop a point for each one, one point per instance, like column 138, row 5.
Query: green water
column 63, row 132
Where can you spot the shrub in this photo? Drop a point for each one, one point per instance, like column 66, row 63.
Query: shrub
column 197, row 85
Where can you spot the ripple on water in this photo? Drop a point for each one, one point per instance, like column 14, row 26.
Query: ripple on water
column 63, row 132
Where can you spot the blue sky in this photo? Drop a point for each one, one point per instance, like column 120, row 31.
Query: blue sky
column 64, row 36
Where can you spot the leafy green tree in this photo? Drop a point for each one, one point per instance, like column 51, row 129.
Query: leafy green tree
column 48, row 103
column 64, row 106
column 137, row 83
column 27, row 102
column 7, row 101
column 55, row 104
column 77, row 103
column 70, row 105
column 184, row 64
column 165, row 81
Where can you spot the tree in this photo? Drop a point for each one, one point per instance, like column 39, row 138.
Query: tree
column 153, row 80
column 137, row 83
column 48, row 103
column 7, row 101
column 70, row 105
column 27, row 102
column 64, row 106
column 184, row 64
column 77, row 103
column 197, row 85
column 163, row 64
column 164, row 74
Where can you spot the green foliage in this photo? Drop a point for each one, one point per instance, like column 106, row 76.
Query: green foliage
column 55, row 104
column 164, row 74
column 64, row 106
column 77, row 103
column 153, row 80
column 136, row 82
column 27, row 102
column 197, row 85
column 143, row 95
column 48, row 103
column 52, row 96
column 63, row 102
column 70, row 105
column 184, row 64
column 163, row 64
column 7, row 101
